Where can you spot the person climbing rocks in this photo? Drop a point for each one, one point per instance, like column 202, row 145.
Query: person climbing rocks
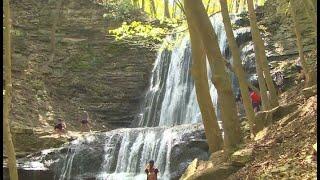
column 301, row 76
column 85, row 124
column 239, row 102
column 151, row 171
column 60, row 127
column 255, row 100
column 279, row 81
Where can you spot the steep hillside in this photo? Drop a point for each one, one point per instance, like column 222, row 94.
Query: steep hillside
column 90, row 71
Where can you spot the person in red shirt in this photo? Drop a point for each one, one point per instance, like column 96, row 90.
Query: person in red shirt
column 255, row 100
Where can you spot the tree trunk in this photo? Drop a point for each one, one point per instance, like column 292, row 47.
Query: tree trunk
column 153, row 8
column 230, row 122
column 309, row 74
column 199, row 74
column 241, row 6
column 55, row 17
column 208, row 5
column 142, row 4
column 7, row 138
column 240, row 73
column 312, row 13
column 262, row 60
column 174, row 9
column 166, row 8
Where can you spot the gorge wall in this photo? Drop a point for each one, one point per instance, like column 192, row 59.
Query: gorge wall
column 89, row 70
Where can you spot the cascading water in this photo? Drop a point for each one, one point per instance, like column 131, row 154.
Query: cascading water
column 169, row 126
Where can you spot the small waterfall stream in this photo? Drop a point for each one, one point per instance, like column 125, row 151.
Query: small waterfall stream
column 168, row 130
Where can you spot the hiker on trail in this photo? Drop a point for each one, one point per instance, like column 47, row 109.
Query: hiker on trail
column 278, row 79
column 239, row 102
column 151, row 171
column 255, row 100
column 60, row 127
column 85, row 121
column 301, row 77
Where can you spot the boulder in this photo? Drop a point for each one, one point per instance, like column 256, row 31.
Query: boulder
column 265, row 118
column 190, row 170
column 222, row 171
column 242, row 156
column 310, row 91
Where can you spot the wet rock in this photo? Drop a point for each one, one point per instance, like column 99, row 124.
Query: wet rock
column 190, row 170
column 184, row 153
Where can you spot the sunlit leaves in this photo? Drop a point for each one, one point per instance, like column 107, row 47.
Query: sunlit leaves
column 137, row 29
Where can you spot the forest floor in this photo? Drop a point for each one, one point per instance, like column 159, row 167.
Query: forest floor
column 285, row 149
column 282, row 150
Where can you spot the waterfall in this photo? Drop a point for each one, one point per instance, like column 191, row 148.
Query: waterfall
column 170, row 101
column 169, row 128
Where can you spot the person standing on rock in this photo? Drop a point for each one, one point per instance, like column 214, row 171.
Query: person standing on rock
column 255, row 100
column 151, row 171
column 85, row 121
column 60, row 127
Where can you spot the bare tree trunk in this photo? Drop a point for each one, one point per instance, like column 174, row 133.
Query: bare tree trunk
column 55, row 17
column 309, row 74
column 241, row 75
column 199, row 74
column 166, row 8
column 208, row 5
column 9, row 148
column 241, row 5
column 312, row 13
column 153, row 8
column 174, row 9
column 230, row 122
column 262, row 60
column 142, row 4
column 180, row 5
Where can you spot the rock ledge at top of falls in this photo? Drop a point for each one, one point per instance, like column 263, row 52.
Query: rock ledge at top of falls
column 87, row 153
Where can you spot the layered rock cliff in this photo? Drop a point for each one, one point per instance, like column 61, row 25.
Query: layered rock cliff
column 89, row 71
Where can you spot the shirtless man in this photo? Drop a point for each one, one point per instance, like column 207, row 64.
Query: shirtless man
column 151, row 171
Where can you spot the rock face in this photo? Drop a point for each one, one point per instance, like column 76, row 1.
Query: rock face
column 265, row 118
column 91, row 156
column 89, row 71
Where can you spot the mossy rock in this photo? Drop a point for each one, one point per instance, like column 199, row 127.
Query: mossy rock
column 310, row 91
column 265, row 118
column 242, row 156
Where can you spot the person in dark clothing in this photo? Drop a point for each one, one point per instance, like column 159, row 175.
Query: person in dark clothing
column 255, row 100
column 279, row 81
column 239, row 103
column 60, row 127
column 151, row 171
column 85, row 124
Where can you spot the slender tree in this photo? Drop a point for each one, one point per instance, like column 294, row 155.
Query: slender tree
column 261, row 58
column 208, row 5
column 166, row 8
column 311, row 12
column 309, row 74
column 240, row 73
column 142, row 4
column 153, row 8
column 9, row 148
column 240, row 6
column 199, row 74
column 55, row 18
column 195, row 11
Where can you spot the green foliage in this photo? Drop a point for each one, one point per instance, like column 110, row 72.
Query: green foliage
column 119, row 10
column 137, row 29
column 143, row 33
